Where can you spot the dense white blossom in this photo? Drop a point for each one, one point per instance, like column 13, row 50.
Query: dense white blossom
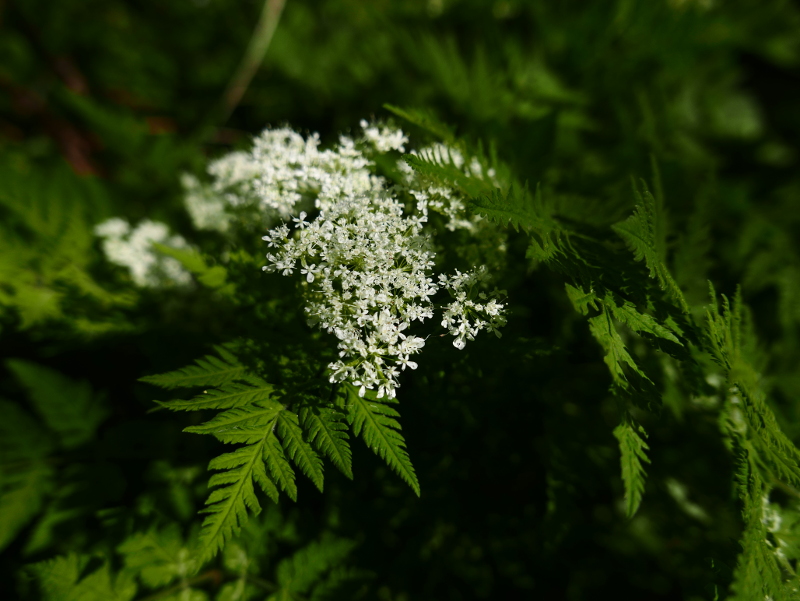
column 367, row 264
column 384, row 138
column 364, row 259
column 133, row 248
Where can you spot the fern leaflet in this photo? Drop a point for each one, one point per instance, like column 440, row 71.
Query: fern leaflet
column 328, row 433
column 643, row 232
column 633, row 452
column 298, row 448
column 227, row 396
column 209, row 371
column 374, row 420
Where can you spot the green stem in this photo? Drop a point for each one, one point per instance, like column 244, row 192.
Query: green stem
column 253, row 57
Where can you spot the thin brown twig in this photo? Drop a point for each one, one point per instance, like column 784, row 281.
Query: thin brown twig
column 253, row 57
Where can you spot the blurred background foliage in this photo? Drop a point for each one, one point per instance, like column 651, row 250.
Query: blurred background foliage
column 105, row 103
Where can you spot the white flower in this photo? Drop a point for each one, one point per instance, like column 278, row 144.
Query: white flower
column 133, row 248
column 366, row 260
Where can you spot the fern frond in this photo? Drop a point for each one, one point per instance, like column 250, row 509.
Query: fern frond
column 240, row 424
column 158, row 557
column 639, row 322
column 61, row 579
column 643, row 233
column 298, row 448
column 282, row 472
column 69, row 408
column 632, row 453
column 604, row 331
column 582, row 301
column 227, row 396
column 298, row 573
column 445, row 171
column 424, row 120
column 374, row 421
column 26, row 475
column 757, row 573
column 209, row 371
column 327, row 431
column 516, row 207
column 234, row 493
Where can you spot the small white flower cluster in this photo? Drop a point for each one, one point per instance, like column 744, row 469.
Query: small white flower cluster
column 368, row 269
column 284, row 172
column 133, row 248
column 465, row 317
column 384, row 138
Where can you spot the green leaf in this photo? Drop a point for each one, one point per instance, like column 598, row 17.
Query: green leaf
column 644, row 233
column 240, row 424
column 757, row 574
column 298, row 573
column 298, row 449
column 234, row 494
column 617, row 355
column 214, row 277
column 61, row 579
column 425, row 120
column 633, row 452
column 374, row 421
column 639, row 322
column 158, row 557
column 26, row 476
column 227, row 396
column 279, row 467
column 581, row 300
column 327, row 431
column 209, row 371
column 69, row 408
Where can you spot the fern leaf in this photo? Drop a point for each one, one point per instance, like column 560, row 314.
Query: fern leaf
column 227, row 396
column 282, row 472
column 328, row 433
column 240, row 424
column 298, row 573
column 375, row 422
column 633, row 452
column 617, row 355
column 757, row 574
column 209, row 371
column 69, row 408
column 640, row 322
column 516, row 208
column 26, row 478
column 234, row 493
column 60, row 579
column 424, row 120
column 581, row 300
column 157, row 557
column 445, row 171
column 298, row 449
column 642, row 231
column 22, row 496
column 341, row 583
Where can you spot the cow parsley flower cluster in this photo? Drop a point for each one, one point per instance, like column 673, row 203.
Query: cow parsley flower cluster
column 133, row 248
column 367, row 267
column 358, row 243
column 465, row 317
column 284, row 172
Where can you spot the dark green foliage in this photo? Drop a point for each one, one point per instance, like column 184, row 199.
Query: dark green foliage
column 631, row 436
